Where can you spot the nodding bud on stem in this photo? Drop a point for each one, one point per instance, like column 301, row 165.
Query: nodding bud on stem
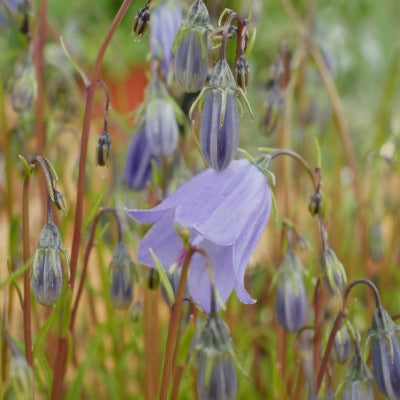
column 385, row 351
column 316, row 205
column 191, row 48
column 121, row 277
column 335, row 274
column 46, row 274
column 342, row 345
column 59, row 201
column 291, row 299
column 141, row 21
column 358, row 380
column 103, row 149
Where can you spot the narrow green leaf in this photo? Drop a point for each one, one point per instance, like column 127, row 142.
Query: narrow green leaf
column 96, row 204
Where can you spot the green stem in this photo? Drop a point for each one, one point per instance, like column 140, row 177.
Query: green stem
column 173, row 327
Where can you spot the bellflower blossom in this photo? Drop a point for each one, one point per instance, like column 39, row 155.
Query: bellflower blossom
column 138, row 171
column 165, row 22
column 226, row 213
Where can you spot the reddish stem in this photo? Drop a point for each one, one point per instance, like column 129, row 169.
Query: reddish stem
column 59, row 367
column 319, row 296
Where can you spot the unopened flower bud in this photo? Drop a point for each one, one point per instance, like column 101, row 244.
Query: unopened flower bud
column 376, row 243
column 103, row 149
column 141, row 21
column 385, row 352
column 153, row 280
column 342, row 345
column 316, row 204
column 21, row 375
column 138, row 164
column 242, row 72
column 190, row 48
column 59, row 201
column 216, row 377
column 358, row 380
column 161, row 127
column 291, row 299
column 46, row 274
column 23, row 86
column 121, row 277
column 137, row 311
column 335, row 274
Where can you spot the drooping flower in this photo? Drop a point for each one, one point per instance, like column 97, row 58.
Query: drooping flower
column 165, row 22
column 46, row 273
column 138, row 169
column 226, row 213
column 121, row 277
column 219, row 125
column 385, row 351
column 358, row 380
column 291, row 298
column 190, row 48
column 103, row 149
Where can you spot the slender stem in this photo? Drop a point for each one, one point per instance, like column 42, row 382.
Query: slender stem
column 319, row 297
column 338, row 323
column 225, row 35
column 300, row 159
column 27, row 285
column 107, row 106
column 59, row 367
column 173, row 327
column 39, row 42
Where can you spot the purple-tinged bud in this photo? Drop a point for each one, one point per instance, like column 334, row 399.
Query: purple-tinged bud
column 376, row 243
column 165, row 22
column 190, row 48
column 358, row 380
column 216, row 378
column 141, row 21
column 219, row 125
column 219, row 142
column 121, row 277
column 23, row 85
column 274, row 107
column 138, row 164
column 161, row 127
column 46, row 274
column 242, row 72
column 385, row 352
column 291, row 299
column 316, row 204
column 335, row 274
column 342, row 345
column 59, row 201
column 103, row 149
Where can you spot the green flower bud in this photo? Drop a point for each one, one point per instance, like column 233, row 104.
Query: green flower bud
column 335, row 274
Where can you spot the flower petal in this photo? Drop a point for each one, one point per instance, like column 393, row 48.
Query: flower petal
column 163, row 239
column 221, row 207
column 248, row 240
column 199, row 283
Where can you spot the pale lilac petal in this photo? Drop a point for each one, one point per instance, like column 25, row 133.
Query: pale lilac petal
column 236, row 196
column 163, row 239
column 246, row 243
column 199, row 283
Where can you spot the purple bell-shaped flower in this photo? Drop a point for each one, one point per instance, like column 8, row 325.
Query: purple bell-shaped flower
column 291, row 299
column 342, row 345
column 385, row 351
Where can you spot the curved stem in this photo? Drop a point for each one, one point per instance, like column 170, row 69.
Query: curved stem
column 27, row 285
column 338, row 323
column 59, row 367
column 174, row 326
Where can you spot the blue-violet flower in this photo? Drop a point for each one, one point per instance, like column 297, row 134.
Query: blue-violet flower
column 226, row 213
